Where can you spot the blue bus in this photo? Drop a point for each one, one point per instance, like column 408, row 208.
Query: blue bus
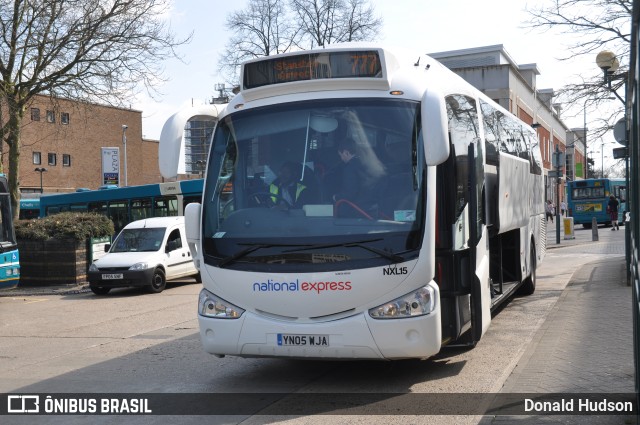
column 588, row 198
column 9, row 256
column 126, row 204
column 29, row 208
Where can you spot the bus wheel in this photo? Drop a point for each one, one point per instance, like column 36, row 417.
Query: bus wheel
column 586, row 225
column 99, row 290
column 158, row 282
column 529, row 284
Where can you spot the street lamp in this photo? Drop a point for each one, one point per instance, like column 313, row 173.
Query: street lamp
column 609, row 63
column 41, row 170
column 124, row 144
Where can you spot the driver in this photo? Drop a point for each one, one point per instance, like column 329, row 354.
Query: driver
column 287, row 192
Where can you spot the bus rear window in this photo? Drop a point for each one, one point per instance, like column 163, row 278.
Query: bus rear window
column 588, row 193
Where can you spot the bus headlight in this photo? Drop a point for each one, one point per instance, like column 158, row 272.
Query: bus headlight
column 93, row 268
column 210, row 305
column 417, row 303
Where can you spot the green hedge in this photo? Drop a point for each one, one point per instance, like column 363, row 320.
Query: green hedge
column 78, row 226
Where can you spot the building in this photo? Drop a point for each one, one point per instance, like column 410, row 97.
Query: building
column 66, row 138
column 493, row 71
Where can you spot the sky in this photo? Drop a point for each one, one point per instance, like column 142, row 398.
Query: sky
column 423, row 25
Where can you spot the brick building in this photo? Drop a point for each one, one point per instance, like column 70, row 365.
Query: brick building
column 66, row 138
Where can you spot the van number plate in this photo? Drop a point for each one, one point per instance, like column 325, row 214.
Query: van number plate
column 303, row 340
column 112, row 276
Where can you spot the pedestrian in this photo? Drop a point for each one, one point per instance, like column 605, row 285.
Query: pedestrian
column 550, row 210
column 563, row 207
column 612, row 209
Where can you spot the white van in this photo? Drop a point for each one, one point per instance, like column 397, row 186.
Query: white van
column 146, row 253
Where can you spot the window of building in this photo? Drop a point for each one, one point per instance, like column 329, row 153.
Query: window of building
column 64, row 118
column 52, row 159
column 35, row 114
column 66, row 160
column 51, row 116
column 37, row 159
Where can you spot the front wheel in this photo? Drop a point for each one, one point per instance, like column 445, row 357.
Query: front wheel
column 158, row 282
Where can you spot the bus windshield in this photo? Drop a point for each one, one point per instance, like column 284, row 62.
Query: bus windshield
column 320, row 182
column 7, row 235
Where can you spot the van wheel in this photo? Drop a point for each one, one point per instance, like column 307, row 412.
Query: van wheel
column 198, row 278
column 529, row 285
column 158, row 282
column 99, row 290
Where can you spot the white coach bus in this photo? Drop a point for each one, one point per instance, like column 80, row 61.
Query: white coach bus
column 416, row 207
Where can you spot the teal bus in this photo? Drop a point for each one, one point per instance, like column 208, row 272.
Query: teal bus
column 588, row 198
column 9, row 256
column 29, row 208
column 126, row 204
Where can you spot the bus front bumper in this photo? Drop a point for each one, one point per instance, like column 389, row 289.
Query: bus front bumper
column 355, row 337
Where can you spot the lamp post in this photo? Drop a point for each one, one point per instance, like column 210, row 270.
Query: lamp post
column 584, row 140
column 609, row 63
column 602, row 160
column 124, row 144
column 41, row 170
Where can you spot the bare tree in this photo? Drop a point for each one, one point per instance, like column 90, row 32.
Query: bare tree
column 267, row 27
column 263, row 28
column 86, row 50
column 591, row 26
column 324, row 22
column 319, row 20
column 359, row 22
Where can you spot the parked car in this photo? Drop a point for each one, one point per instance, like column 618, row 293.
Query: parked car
column 146, row 253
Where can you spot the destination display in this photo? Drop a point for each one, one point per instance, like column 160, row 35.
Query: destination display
column 315, row 66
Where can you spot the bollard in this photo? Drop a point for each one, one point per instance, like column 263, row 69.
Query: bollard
column 568, row 228
column 594, row 229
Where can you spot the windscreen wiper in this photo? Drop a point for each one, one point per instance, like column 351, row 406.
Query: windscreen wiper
column 395, row 258
column 251, row 248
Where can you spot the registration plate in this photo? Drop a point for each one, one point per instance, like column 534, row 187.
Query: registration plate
column 303, row 340
column 111, row 276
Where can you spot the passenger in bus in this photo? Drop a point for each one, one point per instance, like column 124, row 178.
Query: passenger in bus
column 354, row 196
column 287, row 191
column 612, row 209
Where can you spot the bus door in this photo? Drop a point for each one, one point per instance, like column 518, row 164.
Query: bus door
column 478, row 244
column 461, row 239
column 620, row 192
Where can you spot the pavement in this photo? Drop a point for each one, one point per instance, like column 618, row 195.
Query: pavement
column 584, row 348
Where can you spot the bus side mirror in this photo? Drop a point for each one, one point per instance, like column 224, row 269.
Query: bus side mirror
column 435, row 127
column 193, row 230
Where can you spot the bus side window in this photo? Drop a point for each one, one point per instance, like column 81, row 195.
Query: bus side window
column 165, row 207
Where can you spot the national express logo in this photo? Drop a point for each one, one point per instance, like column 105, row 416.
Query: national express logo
column 297, row 286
